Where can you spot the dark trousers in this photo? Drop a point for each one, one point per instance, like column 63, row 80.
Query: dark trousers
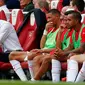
column 4, row 57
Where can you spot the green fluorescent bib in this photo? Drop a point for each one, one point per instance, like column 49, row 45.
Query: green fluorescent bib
column 51, row 40
column 77, row 43
column 66, row 41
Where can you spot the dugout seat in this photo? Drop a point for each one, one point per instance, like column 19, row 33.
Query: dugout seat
column 32, row 29
column 16, row 18
column 57, row 4
column 2, row 15
column 54, row 4
column 27, row 36
column 83, row 19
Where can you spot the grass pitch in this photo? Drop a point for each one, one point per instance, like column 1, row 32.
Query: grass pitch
column 16, row 82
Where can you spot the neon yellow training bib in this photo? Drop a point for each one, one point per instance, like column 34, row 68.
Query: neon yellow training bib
column 51, row 40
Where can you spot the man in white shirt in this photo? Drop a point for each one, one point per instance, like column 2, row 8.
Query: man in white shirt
column 8, row 40
column 5, row 9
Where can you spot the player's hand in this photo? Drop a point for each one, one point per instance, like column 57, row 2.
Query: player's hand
column 49, row 25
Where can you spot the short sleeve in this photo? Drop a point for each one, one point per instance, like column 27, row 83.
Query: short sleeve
column 83, row 35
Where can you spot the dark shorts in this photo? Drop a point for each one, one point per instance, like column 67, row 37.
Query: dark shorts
column 4, row 57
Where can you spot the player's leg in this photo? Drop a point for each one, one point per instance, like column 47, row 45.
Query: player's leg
column 14, row 59
column 72, row 68
column 80, row 59
column 56, row 69
column 45, row 63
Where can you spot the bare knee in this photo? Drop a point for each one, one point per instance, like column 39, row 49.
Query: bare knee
column 73, row 57
column 31, row 56
column 12, row 56
column 46, row 60
column 36, row 60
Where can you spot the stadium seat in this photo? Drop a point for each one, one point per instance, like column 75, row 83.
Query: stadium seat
column 2, row 15
column 5, row 66
column 16, row 18
column 57, row 4
column 83, row 18
column 27, row 36
column 31, row 33
column 64, row 66
column 54, row 4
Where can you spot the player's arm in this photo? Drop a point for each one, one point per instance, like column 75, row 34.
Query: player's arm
column 44, row 36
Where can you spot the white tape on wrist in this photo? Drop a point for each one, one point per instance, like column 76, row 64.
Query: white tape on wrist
column 26, row 58
column 45, row 32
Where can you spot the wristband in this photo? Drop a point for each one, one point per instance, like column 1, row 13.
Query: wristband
column 26, row 57
column 45, row 32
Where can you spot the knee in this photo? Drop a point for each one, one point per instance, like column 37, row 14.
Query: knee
column 31, row 56
column 12, row 56
column 36, row 60
column 46, row 60
column 73, row 57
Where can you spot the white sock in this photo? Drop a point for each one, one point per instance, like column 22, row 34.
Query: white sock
column 32, row 79
column 30, row 64
column 81, row 75
column 72, row 70
column 19, row 71
column 56, row 68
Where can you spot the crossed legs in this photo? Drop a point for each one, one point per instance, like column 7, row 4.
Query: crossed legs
column 19, row 56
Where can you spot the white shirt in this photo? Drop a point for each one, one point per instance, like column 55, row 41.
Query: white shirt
column 6, row 10
column 8, row 37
